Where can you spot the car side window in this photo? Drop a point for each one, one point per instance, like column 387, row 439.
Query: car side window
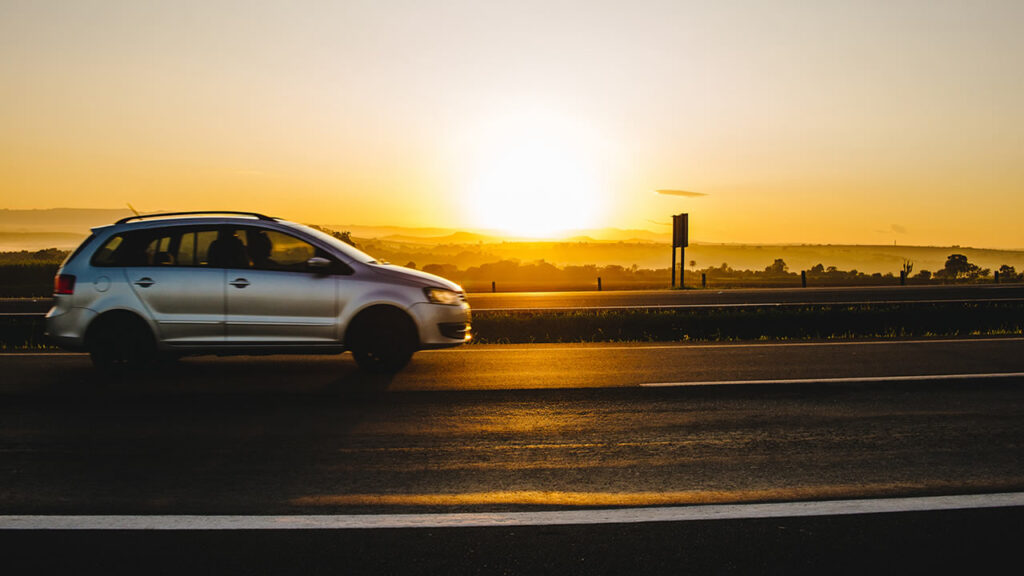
column 161, row 247
column 194, row 247
column 107, row 255
column 158, row 252
column 134, row 248
column 273, row 250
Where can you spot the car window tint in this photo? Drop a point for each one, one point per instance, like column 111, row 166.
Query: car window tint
column 228, row 249
column 272, row 250
column 194, row 247
column 129, row 249
column 187, row 249
column 107, row 254
column 158, row 252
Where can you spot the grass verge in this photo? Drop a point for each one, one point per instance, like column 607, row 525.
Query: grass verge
column 820, row 321
column 825, row 321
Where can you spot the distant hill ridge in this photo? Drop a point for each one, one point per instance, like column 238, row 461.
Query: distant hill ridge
column 65, row 227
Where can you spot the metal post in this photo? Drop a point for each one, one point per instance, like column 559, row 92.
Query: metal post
column 997, row 276
column 673, row 266
column 598, row 283
column 903, row 277
column 682, row 266
column 803, row 278
column 703, row 280
column 492, row 287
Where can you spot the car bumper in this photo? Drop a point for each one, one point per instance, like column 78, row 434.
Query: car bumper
column 65, row 327
column 442, row 326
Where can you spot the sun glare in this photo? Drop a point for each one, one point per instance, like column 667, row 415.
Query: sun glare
column 535, row 176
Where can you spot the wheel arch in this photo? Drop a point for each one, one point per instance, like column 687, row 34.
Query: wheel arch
column 380, row 308
column 116, row 315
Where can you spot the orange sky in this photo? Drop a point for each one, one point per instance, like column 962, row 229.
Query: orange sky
column 832, row 122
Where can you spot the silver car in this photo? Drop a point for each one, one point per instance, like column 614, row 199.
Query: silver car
column 244, row 283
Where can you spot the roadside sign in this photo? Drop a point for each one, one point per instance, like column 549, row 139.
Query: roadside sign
column 680, row 230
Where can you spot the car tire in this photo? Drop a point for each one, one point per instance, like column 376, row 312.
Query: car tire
column 382, row 340
column 120, row 341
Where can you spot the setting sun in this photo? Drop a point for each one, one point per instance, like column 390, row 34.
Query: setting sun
column 535, row 175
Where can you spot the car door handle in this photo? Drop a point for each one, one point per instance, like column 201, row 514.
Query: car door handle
column 239, row 282
column 144, row 282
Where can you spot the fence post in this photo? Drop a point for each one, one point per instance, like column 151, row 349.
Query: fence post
column 492, row 287
column 598, row 283
column 903, row 277
column 703, row 280
column 803, row 278
column 997, row 276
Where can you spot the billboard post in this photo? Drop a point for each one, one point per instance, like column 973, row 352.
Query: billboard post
column 680, row 239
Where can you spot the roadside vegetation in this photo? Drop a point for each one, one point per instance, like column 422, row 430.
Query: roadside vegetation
column 715, row 324
column 30, row 274
column 818, row 322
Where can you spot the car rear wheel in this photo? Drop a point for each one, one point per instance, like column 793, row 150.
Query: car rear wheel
column 382, row 340
column 121, row 341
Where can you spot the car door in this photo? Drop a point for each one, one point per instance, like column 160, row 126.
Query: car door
column 169, row 271
column 275, row 298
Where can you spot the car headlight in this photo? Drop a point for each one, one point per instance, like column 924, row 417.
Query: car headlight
column 442, row 296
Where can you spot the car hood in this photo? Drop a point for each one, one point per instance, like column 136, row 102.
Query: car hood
column 416, row 277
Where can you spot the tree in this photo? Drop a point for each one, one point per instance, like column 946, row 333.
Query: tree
column 956, row 266
column 818, row 269
column 1009, row 274
column 777, row 267
column 345, row 237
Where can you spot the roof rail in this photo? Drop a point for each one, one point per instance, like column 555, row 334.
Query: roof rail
column 166, row 214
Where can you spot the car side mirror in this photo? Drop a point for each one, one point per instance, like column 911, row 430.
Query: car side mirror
column 318, row 264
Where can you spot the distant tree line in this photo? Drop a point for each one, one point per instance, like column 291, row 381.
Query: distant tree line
column 30, row 274
column 956, row 269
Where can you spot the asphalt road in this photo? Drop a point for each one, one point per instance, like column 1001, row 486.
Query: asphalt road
column 494, row 429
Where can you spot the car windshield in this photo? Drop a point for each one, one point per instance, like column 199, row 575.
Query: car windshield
column 344, row 247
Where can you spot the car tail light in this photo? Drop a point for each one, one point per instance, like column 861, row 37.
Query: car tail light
column 63, row 284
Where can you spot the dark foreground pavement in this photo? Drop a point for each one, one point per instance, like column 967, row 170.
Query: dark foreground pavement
column 965, row 542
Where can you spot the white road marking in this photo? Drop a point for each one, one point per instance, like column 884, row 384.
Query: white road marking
column 487, row 519
column 850, row 379
column 542, row 347
column 743, row 305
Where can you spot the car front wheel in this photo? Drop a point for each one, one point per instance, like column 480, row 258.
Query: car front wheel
column 382, row 340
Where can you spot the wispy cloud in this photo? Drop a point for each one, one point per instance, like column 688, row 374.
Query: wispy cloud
column 894, row 229
column 679, row 193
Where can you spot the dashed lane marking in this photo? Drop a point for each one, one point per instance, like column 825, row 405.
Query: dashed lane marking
column 845, row 380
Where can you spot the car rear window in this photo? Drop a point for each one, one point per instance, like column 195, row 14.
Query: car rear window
column 78, row 250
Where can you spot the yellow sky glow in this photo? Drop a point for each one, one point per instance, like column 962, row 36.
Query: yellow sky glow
column 824, row 122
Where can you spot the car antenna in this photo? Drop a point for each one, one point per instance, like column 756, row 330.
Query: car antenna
column 132, row 208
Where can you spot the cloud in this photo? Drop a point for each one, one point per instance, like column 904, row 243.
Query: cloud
column 679, row 193
column 894, row 229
